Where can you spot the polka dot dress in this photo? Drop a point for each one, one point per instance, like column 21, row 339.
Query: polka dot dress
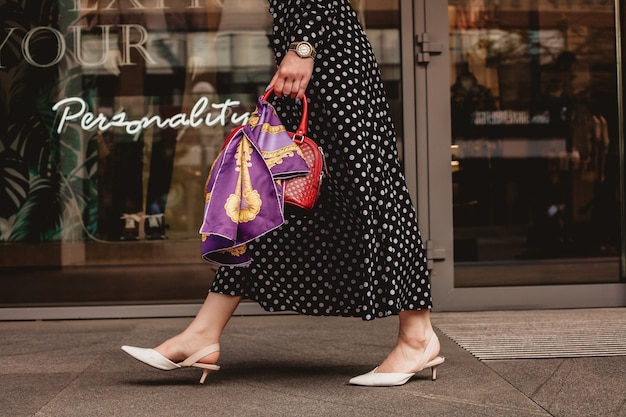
column 358, row 253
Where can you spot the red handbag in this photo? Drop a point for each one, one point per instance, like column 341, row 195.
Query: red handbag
column 303, row 191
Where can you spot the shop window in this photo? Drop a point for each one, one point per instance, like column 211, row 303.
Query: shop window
column 534, row 101
column 111, row 115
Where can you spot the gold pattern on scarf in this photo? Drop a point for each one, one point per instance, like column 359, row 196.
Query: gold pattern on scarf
column 236, row 251
column 237, row 212
column 253, row 120
column 268, row 128
column 273, row 158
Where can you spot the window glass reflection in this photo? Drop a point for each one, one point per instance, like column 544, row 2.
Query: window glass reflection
column 112, row 113
column 535, row 130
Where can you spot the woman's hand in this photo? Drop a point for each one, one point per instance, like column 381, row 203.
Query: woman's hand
column 293, row 76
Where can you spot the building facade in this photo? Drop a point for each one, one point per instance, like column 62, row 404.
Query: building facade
column 509, row 118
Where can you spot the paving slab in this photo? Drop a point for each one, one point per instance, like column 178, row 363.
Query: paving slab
column 271, row 366
column 570, row 387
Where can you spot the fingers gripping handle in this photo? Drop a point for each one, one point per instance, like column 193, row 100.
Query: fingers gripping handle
column 301, row 132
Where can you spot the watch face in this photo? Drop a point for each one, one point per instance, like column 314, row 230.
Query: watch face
column 304, row 49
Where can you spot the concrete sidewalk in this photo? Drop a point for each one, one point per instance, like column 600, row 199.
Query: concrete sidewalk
column 285, row 365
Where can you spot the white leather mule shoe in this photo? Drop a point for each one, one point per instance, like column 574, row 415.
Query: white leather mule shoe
column 155, row 359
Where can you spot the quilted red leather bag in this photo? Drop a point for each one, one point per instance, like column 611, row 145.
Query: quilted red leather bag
column 303, row 191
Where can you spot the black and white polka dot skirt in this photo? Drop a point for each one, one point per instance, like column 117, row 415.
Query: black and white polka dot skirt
column 358, row 253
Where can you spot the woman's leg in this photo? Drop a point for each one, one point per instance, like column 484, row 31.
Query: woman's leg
column 205, row 329
column 414, row 333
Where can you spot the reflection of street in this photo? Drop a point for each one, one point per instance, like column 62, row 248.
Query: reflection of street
column 164, row 67
column 467, row 97
column 197, row 148
column 535, row 168
column 142, row 35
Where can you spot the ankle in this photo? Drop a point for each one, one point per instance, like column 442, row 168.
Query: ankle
column 417, row 338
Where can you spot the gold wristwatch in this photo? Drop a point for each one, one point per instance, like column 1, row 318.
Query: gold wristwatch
column 303, row 49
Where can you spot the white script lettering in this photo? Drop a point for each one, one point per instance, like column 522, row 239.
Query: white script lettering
column 74, row 110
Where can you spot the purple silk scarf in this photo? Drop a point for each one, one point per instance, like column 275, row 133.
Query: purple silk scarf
column 244, row 193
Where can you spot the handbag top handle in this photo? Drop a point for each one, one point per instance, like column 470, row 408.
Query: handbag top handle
column 301, row 132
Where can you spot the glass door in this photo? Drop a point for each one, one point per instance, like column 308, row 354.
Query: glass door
column 537, row 150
